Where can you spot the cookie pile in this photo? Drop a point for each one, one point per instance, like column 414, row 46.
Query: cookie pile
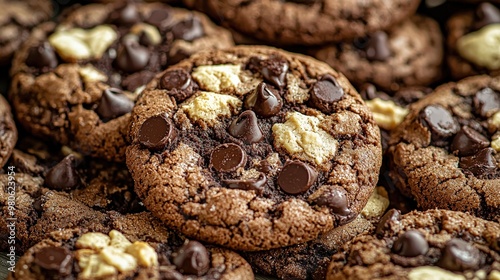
column 229, row 139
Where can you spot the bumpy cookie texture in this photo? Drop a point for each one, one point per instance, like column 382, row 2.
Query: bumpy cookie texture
column 75, row 82
column 8, row 131
column 83, row 254
column 472, row 42
column 409, row 54
column 445, row 153
column 306, row 22
column 291, row 152
column 435, row 244
column 310, row 260
column 16, row 20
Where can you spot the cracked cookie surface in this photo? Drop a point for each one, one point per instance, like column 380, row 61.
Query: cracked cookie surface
column 284, row 150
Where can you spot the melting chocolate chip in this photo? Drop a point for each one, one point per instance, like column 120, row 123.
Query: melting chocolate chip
column 377, row 47
column 131, row 56
column 486, row 14
column 246, row 128
column 192, row 259
column 482, row 164
column 264, row 101
column 63, row 176
column 325, row 92
column 188, row 29
column 486, row 101
column 296, row 177
column 411, row 244
column 178, row 79
column 384, row 223
column 440, row 121
column 157, row 132
column 273, row 69
column 159, row 18
column 42, row 56
column 228, row 157
column 459, row 255
column 468, row 141
column 57, row 259
column 113, row 104
column 127, row 15
column 256, row 185
column 336, row 200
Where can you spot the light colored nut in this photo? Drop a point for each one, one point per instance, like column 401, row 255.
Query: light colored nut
column 295, row 94
column 99, row 39
column 494, row 275
column 481, row 47
column 69, row 47
column 95, row 267
column 90, row 74
column 92, row 240
column 143, row 253
column 118, row 240
column 377, row 204
column 208, row 107
column 217, row 78
column 386, row 113
column 302, row 137
column 433, row 272
column 117, row 258
column 149, row 30
column 494, row 121
column 495, row 144
column 83, row 256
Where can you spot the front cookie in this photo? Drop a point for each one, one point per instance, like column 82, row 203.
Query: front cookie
column 253, row 148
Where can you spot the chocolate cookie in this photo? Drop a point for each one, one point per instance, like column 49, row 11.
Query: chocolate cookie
column 445, row 152
column 8, row 131
column 310, row 260
column 75, row 82
column 435, row 244
column 253, row 148
column 472, row 42
column 409, row 54
column 16, row 20
column 306, row 22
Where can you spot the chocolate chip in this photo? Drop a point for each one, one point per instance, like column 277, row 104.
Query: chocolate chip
column 57, row 259
column 384, row 223
column 177, row 82
column 256, row 185
column 264, row 101
column 482, row 164
column 377, row 47
column 131, row 56
column 325, row 92
column 273, row 69
column 486, row 101
column 458, row 255
column 228, row 157
column 113, row 104
column 157, row 132
column 127, row 15
column 159, row 18
column 440, row 121
column 467, row 142
column 246, row 128
column 486, row 14
column 63, row 176
column 296, row 177
column 411, row 244
column 192, row 259
column 336, row 200
column 188, row 29
column 42, row 56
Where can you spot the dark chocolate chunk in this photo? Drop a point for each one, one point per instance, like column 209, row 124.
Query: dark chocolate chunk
column 159, row 18
column 42, row 56
column 63, row 176
column 486, row 102
column 296, row 177
column 468, row 141
column 131, row 56
column 127, row 15
column 411, row 244
column 482, row 164
column 228, row 157
column 246, row 128
column 55, row 259
column 179, row 84
column 440, row 122
column 325, row 92
column 486, row 14
column 384, row 223
column 157, row 132
column 377, row 47
column 113, row 104
column 188, row 29
column 264, row 101
column 256, row 185
column 336, row 200
column 459, row 255
column 273, row 69
column 192, row 259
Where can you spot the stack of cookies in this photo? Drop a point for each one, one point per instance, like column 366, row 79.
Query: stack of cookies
column 225, row 139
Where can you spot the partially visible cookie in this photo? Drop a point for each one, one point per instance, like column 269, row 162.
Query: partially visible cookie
column 409, row 54
column 8, row 131
column 445, row 153
column 16, row 20
column 435, row 244
column 75, row 82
